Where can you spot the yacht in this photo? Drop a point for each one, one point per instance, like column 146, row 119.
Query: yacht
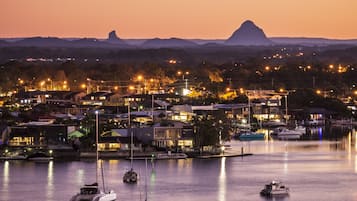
column 283, row 133
column 92, row 192
column 300, row 129
column 275, row 188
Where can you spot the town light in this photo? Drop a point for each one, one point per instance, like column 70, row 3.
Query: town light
column 318, row 92
column 241, row 90
column 83, row 86
column 139, row 77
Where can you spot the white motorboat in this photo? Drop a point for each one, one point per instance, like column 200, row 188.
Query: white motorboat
column 92, row 192
column 275, row 188
column 283, row 133
column 288, row 134
column 300, row 129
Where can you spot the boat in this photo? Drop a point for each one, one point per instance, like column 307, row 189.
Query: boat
column 283, row 133
column 92, row 192
column 39, row 156
column 275, row 188
column 130, row 176
column 273, row 123
column 13, row 155
column 169, row 155
column 300, row 129
column 248, row 136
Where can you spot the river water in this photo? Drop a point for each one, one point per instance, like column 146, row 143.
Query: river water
column 315, row 168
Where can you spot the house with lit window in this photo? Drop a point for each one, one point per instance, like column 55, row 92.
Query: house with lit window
column 39, row 135
column 102, row 99
column 173, row 135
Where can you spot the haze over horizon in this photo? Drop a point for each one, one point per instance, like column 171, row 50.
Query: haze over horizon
column 197, row 19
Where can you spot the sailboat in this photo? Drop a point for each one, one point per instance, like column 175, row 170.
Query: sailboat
column 92, row 192
column 130, row 177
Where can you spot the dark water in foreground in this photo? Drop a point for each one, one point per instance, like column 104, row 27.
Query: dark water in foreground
column 314, row 170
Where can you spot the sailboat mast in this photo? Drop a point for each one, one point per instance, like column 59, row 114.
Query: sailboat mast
column 96, row 145
column 248, row 111
column 131, row 137
column 131, row 150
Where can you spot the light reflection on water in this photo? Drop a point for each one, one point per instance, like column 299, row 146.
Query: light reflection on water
column 222, row 181
column 50, row 187
column 314, row 170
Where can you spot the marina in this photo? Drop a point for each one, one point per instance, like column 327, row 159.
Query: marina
column 299, row 164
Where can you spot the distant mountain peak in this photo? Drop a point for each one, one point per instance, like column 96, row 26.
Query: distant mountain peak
column 248, row 23
column 112, row 35
column 114, row 39
column 248, row 34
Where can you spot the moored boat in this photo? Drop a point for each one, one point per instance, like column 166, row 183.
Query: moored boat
column 130, row 177
column 248, row 136
column 287, row 134
column 275, row 188
column 93, row 193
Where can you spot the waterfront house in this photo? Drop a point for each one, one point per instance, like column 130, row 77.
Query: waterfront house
column 173, row 135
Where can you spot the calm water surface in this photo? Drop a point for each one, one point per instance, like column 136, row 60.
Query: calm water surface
column 314, row 170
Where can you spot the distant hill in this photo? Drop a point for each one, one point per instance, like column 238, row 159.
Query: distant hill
column 312, row 41
column 41, row 42
column 3, row 42
column 168, row 43
column 248, row 34
column 112, row 42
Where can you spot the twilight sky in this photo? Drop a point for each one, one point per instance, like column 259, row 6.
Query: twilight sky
column 206, row 19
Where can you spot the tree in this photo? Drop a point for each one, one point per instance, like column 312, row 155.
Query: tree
column 211, row 130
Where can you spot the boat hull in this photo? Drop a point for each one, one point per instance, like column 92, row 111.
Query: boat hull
column 251, row 136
